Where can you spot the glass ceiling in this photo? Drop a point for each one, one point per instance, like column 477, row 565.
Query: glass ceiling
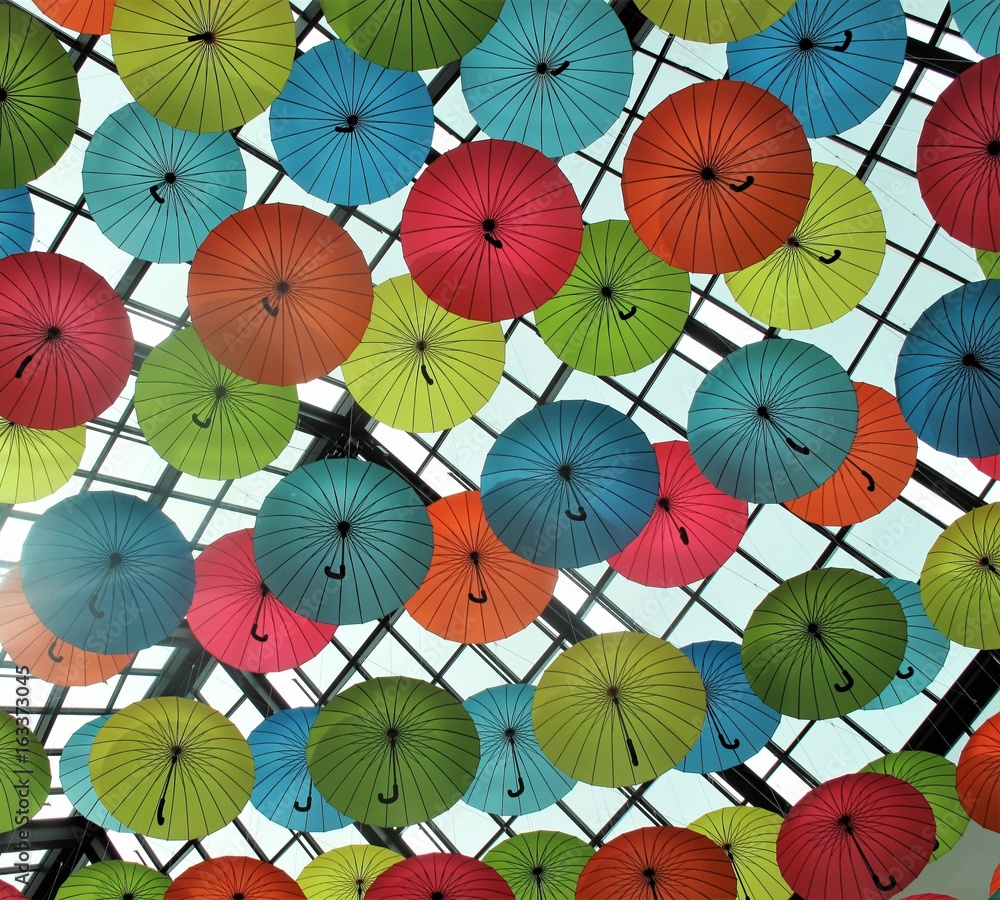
column 921, row 263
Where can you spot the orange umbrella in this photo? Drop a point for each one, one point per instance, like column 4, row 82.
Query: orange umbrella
column 85, row 16
column 877, row 468
column 29, row 643
column 227, row 877
column 280, row 294
column 978, row 775
column 717, row 176
column 476, row 589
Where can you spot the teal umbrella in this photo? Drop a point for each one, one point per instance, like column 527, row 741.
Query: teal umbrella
column 17, row 220
column 74, row 776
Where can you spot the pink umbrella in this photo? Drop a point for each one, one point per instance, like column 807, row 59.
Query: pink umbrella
column 988, row 465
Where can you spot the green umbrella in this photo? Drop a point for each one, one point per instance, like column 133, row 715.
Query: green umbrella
column 39, row 97
column 621, row 308
column 541, row 865
column 619, row 708
column 393, row 751
column 113, row 879
column 206, row 420
column 25, row 777
column 34, row 462
column 345, row 873
column 989, row 262
column 934, row 776
column 824, row 643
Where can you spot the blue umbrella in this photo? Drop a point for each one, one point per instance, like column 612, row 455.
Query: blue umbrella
column 979, row 23
column 343, row 541
column 284, row 791
column 948, row 372
column 514, row 776
column 926, row 648
column 552, row 74
column 74, row 776
column 107, row 572
column 772, row 421
column 348, row 130
column 570, row 483
column 738, row 723
column 833, row 63
column 17, row 220
column 157, row 191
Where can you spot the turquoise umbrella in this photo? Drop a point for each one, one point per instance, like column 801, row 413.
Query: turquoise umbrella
column 979, row 23
column 74, row 776
column 17, row 220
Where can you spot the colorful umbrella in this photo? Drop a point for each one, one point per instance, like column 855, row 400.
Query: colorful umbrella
column 393, row 751
column 491, row 230
column 157, row 191
column 960, row 579
column 229, row 877
column 978, row 775
column 436, row 876
column 926, row 648
column 694, row 529
column 66, row 346
column 773, row 420
column 878, row 466
column 717, row 176
column 832, row 63
column 284, row 791
column 569, row 483
column 619, row 708
column 827, row 265
column 737, row 723
column 25, row 777
column 107, row 572
column 39, row 97
column 345, row 873
column 476, row 590
column 84, row 16
column 995, row 881
column 863, row 836
column 74, row 775
column 958, row 156
column 171, row 768
column 350, row 131
column 419, row 367
column 239, row 621
column 113, row 879
column 824, row 643
column 714, row 21
column 9, row 892
column 343, row 541
column 934, row 776
column 411, row 34
column 989, row 263
column 280, row 294
column 979, row 23
column 658, row 863
column 988, row 465
column 541, row 865
column 553, row 75
column 206, row 420
column 748, row 837
column 622, row 307
column 948, row 372
column 203, row 65
column 34, row 462
column 17, row 220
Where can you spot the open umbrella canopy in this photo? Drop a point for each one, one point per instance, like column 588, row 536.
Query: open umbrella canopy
column 229, row 877
column 773, row 420
column 979, row 23
column 203, row 65
column 541, row 865
column 22, row 760
column 343, row 541
column 17, row 220
column 419, row 367
column 114, row 879
column 85, row 16
column 393, row 751
column 66, row 346
column 622, row 307
column 74, row 776
column 35, row 462
column 978, row 775
column 491, row 230
column 40, row 102
column 832, row 63
column 714, row 21
column 171, row 768
column 554, row 75
column 619, row 708
column 717, row 176
column 348, row 130
column 439, row 876
column 107, row 572
column 989, row 262
column 345, row 873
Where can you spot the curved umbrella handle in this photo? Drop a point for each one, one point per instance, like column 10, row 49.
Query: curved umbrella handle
column 885, row 887
column 256, row 635
column 739, row 188
column 871, row 481
column 729, row 745
column 848, row 34
column 392, row 798
column 798, row 448
column 207, row 423
column 161, row 819
column 208, row 38
column 271, row 311
column 308, row 804
column 520, row 788
column 94, row 611
column 844, row 688
column 478, row 598
column 52, row 653
column 24, row 365
column 338, row 575
column 427, row 377
column 625, row 316
column 632, row 755
column 907, row 674
column 682, row 531
column 493, row 241
column 345, row 129
column 829, row 260
column 576, row 516
column 156, row 196
column 558, row 70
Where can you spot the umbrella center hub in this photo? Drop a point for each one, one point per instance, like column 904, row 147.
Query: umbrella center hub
column 970, row 360
column 170, row 177
column 53, row 333
column 343, row 528
column 221, row 392
column 489, row 225
column 352, row 121
column 392, row 734
column 664, row 503
column 709, row 173
column 614, row 693
column 115, row 560
column 985, row 562
column 565, row 471
column 606, row 292
column 3, row 94
column 846, row 823
column 510, row 734
column 793, row 242
column 993, row 148
column 128, row 895
column 538, row 871
column 813, row 628
column 421, row 346
column 282, row 288
column 806, row 44
column 649, row 875
column 176, row 752
column 206, row 37
column 763, row 412
column 265, row 591
column 239, row 896
column 437, row 895
column 474, row 557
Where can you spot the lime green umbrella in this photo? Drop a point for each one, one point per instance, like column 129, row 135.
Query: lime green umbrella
column 934, row 776
column 206, row 420
column 203, row 65
column 827, row 265
column 541, row 865
column 39, row 97
column 714, row 21
column 113, row 879
column 989, row 262
column 345, row 873
column 34, row 462
column 824, row 643
column 619, row 708
column 621, row 308
column 419, row 367
column 171, row 768
column 25, row 777
column 393, row 751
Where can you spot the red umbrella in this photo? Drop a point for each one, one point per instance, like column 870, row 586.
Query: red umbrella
column 988, row 465
column 439, row 876
column 66, row 347
column 862, row 836
column 228, row 877
column 978, row 776
column 958, row 157
column 695, row 527
column 239, row 621
column 491, row 230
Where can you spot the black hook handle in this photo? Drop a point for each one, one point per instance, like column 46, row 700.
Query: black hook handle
column 885, row 887
column 392, row 798
column 739, row 188
column 307, row 806
column 632, row 755
column 338, row 575
column 848, row 34
column 559, row 69
column 682, row 531
column 729, row 745
column 256, row 635
column 625, row 316
column 520, row 788
column 156, row 196
column 798, row 448
column 346, row 129
column 207, row 423
column 493, row 241
column 24, row 365
column 480, row 598
column 907, row 674
column 161, row 819
column 844, row 688
column 871, row 482
column 271, row 311
column 52, row 653
column 427, row 377
column 208, row 38
column 94, row 611
column 576, row 516
column 828, row 260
